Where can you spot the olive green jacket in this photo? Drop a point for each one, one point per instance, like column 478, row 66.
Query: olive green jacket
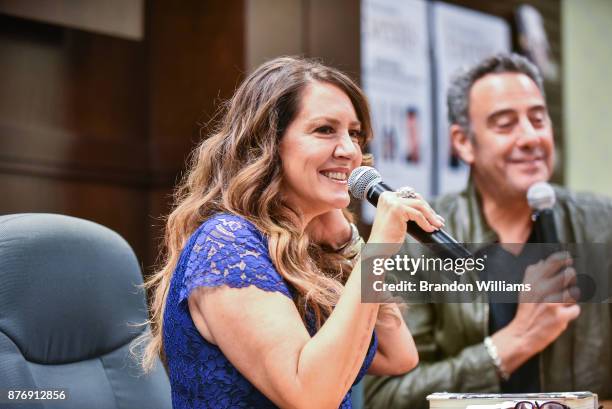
column 449, row 337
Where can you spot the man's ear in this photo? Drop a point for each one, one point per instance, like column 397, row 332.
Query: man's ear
column 462, row 143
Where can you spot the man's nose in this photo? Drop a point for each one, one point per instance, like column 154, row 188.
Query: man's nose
column 528, row 135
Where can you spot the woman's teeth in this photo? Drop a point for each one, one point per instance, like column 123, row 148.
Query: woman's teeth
column 335, row 175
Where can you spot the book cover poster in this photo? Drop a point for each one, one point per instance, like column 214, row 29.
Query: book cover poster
column 461, row 37
column 396, row 78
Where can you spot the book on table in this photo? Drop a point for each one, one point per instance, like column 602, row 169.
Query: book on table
column 444, row 400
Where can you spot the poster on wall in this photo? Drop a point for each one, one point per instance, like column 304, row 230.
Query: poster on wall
column 461, row 37
column 396, row 78
column 533, row 40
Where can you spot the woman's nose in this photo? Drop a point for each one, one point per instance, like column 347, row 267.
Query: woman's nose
column 346, row 147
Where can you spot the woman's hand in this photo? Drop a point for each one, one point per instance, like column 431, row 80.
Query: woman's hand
column 394, row 211
column 331, row 229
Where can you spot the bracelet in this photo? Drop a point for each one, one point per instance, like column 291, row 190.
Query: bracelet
column 350, row 248
column 492, row 351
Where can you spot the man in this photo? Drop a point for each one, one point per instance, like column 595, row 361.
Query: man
column 501, row 128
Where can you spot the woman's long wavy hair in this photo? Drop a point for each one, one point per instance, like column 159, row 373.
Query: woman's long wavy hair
column 237, row 169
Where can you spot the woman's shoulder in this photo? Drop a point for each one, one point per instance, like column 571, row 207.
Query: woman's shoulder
column 228, row 227
column 229, row 250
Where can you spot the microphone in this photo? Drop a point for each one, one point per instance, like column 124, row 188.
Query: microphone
column 541, row 199
column 366, row 183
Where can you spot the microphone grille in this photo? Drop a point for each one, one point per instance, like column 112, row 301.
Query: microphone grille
column 541, row 196
column 361, row 179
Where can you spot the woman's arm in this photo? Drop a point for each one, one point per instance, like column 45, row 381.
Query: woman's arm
column 396, row 353
column 262, row 334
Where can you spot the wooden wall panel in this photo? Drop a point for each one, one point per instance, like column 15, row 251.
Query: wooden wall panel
column 99, row 127
column 120, row 208
column 70, row 103
column 333, row 33
column 196, row 58
column 121, row 18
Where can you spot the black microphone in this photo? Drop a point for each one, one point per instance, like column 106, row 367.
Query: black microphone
column 541, row 198
column 366, row 183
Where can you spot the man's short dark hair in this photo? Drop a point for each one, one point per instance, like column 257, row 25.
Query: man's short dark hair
column 458, row 96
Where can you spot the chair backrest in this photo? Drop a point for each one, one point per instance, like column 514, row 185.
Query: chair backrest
column 68, row 302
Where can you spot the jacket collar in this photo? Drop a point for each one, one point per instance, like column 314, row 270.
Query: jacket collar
column 480, row 231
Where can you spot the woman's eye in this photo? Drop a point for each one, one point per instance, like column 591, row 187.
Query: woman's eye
column 356, row 134
column 327, row 130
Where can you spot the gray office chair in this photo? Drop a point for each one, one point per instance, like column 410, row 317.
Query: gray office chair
column 67, row 299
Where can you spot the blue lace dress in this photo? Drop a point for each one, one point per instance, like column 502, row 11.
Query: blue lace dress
column 225, row 250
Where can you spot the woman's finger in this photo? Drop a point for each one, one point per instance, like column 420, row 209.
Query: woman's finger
column 419, row 218
column 426, row 210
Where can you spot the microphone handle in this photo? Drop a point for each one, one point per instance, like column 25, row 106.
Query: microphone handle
column 445, row 245
column 544, row 226
column 375, row 191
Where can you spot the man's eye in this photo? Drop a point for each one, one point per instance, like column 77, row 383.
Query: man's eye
column 504, row 123
column 538, row 120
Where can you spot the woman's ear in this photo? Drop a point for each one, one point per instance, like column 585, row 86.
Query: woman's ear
column 462, row 143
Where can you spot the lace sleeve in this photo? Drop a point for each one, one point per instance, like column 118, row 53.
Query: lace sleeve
column 229, row 250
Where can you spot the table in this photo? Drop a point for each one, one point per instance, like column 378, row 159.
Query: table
column 607, row 404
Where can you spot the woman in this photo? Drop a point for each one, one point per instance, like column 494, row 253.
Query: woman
column 258, row 302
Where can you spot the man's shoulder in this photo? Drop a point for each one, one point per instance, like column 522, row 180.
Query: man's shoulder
column 589, row 214
column 583, row 201
column 448, row 202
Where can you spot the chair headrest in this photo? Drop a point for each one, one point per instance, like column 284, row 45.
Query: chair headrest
column 67, row 288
